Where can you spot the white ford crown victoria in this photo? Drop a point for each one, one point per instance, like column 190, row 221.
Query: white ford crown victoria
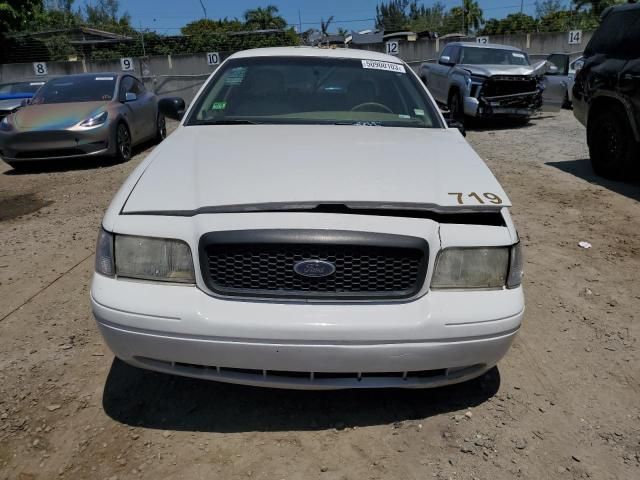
column 312, row 223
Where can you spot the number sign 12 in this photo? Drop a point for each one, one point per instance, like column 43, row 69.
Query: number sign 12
column 213, row 58
column 40, row 68
column 392, row 48
column 126, row 64
column 482, row 40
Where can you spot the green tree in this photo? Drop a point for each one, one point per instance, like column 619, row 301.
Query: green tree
column 473, row 18
column 393, row 15
column 597, row 6
column 424, row 18
column 16, row 14
column 547, row 7
column 264, row 18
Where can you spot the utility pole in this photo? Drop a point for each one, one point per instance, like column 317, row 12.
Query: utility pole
column 299, row 22
column 463, row 15
column 521, row 6
column 144, row 53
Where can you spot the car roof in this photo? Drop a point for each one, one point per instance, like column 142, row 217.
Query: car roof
column 484, row 45
column 93, row 74
column 316, row 52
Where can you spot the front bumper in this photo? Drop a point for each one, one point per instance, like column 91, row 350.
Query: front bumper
column 519, row 105
column 18, row 147
column 438, row 339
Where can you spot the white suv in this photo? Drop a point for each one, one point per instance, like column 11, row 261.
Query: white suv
column 312, row 223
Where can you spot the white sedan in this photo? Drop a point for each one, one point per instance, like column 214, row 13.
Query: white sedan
column 312, row 223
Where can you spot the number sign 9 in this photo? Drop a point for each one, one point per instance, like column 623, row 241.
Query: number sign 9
column 213, row 58
column 126, row 64
column 40, row 68
column 392, row 48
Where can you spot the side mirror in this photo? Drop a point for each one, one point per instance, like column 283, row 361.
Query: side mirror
column 25, row 102
column 452, row 123
column 445, row 60
column 552, row 70
column 130, row 97
column 172, row 107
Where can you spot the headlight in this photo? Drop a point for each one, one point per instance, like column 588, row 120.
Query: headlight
column 145, row 258
column 95, row 120
column 5, row 126
column 478, row 267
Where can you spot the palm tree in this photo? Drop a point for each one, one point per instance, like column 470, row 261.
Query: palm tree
column 324, row 26
column 264, row 18
column 472, row 15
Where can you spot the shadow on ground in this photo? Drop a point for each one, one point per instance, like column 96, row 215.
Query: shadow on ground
column 489, row 124
column 582, row 169
column 154, row 400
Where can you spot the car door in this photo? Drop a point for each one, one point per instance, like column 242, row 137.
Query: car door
column 147, row 109
column 136, row 109
column 556, row 84
column 439, row 74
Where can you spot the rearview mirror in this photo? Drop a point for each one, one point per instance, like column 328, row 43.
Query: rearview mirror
column 172, row 107
column 445, row 60
column 130, row 97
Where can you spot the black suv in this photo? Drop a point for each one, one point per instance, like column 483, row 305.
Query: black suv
column 606, row 93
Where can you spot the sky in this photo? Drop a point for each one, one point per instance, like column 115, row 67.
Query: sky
column 167, row 16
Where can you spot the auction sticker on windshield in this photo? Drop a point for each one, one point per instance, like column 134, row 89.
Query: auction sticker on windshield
column 388, row 66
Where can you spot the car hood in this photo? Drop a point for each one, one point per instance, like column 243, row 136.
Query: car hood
column 54, row 116
column 263, row 167
column 490, row 70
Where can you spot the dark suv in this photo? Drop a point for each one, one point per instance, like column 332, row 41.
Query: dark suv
column 606, row 93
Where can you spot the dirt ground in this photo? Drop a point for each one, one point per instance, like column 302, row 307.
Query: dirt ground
column 564, row 403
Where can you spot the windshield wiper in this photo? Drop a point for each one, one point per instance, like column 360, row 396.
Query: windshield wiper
column 229, row 121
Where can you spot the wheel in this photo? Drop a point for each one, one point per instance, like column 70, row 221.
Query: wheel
column 611, row 145
column 123, row 143
column 161, row 128
column 456, row 107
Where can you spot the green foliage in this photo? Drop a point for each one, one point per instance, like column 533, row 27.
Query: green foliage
column 264, row 18
column 514, row 23
column 408, row 15
column 16, row 14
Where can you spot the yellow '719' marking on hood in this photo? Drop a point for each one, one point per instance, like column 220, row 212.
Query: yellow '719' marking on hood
column 490, row 197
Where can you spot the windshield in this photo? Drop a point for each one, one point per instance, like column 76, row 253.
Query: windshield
column 20, row 87
column 76, row 89
column 493, row 56
column 314, row 90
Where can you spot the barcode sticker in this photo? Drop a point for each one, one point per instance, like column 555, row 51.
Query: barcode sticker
column 388, row 66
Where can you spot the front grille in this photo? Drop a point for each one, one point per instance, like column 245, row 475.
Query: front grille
column 260, row 263
column 509, row 85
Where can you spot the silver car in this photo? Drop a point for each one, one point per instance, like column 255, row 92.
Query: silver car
column 82, row 115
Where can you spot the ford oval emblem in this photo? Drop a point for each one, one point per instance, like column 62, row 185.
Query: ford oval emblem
column 314, row 268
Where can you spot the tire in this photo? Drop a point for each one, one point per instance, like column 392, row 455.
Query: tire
column 161, row 128
column 612, row 147
column 456, row 107
column 123, row 143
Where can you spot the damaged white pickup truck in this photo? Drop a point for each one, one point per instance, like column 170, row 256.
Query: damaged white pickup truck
column 312, row 223
column 490, row 81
